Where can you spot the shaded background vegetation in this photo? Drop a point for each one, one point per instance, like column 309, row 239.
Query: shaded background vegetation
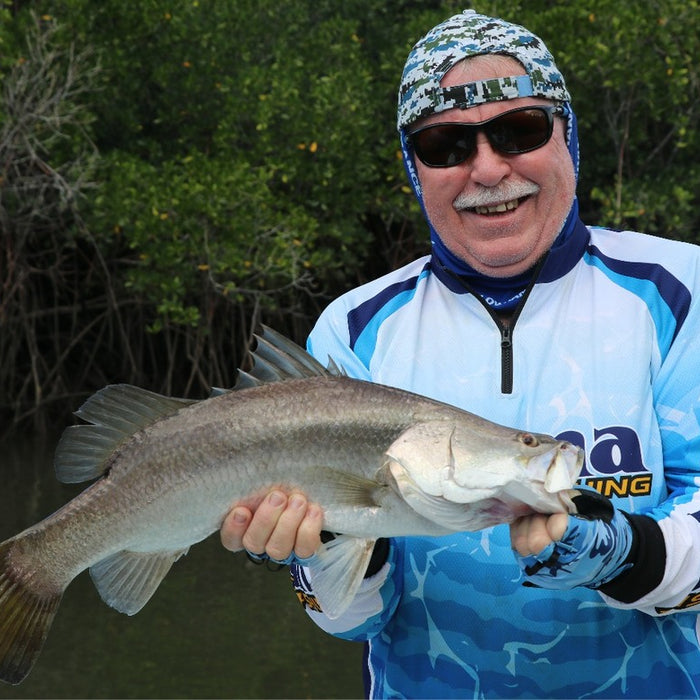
column 174, row 173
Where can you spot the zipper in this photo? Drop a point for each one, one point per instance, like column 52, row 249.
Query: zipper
column 505, row 328
column 506, row 357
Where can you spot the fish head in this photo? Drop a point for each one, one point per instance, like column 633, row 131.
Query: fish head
column 466, row 475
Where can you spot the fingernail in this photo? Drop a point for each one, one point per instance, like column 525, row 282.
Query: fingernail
column 276, row 499
column 240, row 517
column 297, row 501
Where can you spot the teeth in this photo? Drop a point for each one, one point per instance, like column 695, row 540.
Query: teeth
column 497, row 208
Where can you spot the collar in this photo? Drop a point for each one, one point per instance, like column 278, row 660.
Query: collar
column 505, row 292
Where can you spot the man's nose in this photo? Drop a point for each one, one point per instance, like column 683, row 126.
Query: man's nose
column 487, row 165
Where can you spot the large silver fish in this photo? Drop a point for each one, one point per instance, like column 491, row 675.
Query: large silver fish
column 380, row 461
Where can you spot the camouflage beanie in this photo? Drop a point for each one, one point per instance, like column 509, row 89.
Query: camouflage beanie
column 470, row 34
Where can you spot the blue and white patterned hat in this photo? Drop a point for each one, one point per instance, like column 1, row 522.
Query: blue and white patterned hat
column 471, row 34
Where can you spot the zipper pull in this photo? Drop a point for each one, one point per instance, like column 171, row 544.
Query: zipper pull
column 506, row 337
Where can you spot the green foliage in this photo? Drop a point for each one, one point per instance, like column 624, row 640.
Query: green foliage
column 279, row 104
column 198, row 225
column 46, row 154
column 5, row 51
column 10, row 37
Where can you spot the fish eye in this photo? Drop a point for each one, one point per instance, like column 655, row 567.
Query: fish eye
column 529, row 440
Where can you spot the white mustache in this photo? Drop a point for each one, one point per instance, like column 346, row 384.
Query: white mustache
column 492, row 196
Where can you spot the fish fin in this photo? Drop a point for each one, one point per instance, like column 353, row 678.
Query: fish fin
column 339, row 571
column 457, row 517
column 289, row 356
column 268, row 371
column 276, row 358
column 113, row 415
column 25, row 618
column 348, row 489
column 334, row 369
column 246, row 381
column 127, row 580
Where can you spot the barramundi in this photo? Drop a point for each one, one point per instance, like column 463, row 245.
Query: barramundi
column 381, row 462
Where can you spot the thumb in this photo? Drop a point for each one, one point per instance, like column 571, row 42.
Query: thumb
column 556, row 526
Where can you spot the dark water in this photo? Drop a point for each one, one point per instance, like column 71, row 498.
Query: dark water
column 218, row 626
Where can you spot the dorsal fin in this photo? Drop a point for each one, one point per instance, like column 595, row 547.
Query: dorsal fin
column 113, row 415
column 276, row 358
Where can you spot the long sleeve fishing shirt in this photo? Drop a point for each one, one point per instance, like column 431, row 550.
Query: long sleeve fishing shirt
column 605, row 352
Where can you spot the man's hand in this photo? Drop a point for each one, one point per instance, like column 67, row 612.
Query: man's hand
column 563, row 551
column 282, row 526
column 534, row 533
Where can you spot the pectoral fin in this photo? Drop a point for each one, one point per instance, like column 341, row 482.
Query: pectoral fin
column 338, row 569
column 127, row 580
column 344, row 488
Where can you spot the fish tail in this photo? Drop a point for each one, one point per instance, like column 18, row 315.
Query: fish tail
column 27, row 608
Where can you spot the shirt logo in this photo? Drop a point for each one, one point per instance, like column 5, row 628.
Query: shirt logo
column 614, row 465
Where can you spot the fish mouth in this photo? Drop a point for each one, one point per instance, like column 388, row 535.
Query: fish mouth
column 564, row 468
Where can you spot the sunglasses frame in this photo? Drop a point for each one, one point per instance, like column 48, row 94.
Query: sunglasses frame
column 474, row 127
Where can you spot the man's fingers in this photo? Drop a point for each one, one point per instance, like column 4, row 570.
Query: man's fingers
column 281, row 540
column 281, row 524
column 233, row 528
column 556, row 525
column 308, row 538
column 533, row 533
column 528, row 532
column 264, row 522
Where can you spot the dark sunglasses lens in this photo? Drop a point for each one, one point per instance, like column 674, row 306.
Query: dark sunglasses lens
column 520, row 132
column 444, row 145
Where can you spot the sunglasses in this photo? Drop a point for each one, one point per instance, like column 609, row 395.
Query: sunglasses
column 518, row 131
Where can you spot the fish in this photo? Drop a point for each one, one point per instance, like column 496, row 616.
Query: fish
column 165, row 471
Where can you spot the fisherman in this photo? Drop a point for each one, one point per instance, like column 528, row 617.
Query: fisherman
column 524, row 315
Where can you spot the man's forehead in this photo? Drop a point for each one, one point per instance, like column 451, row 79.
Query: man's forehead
column 482, row 67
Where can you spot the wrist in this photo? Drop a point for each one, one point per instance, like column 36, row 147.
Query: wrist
column 646, row 559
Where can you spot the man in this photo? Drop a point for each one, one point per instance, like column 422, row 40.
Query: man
column 523, row 315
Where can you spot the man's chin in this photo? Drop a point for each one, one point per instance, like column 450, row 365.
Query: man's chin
column 504, row 265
